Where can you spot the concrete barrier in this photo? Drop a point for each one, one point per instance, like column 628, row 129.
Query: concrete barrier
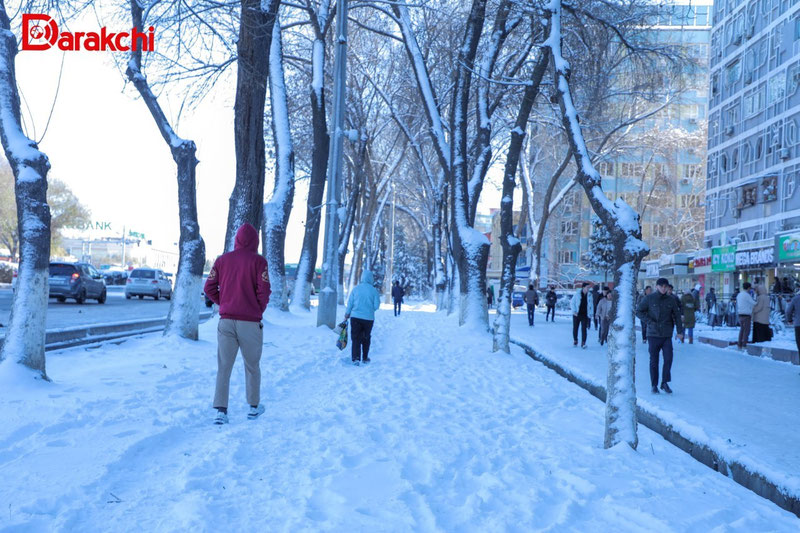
column 754, row 481
column 57, row 339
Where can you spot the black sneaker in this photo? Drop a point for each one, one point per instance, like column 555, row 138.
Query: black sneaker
column 654, row 390
column 666, row 388
column 366, row 360
column 583, row 346
column 575, row 343
column 356, row 362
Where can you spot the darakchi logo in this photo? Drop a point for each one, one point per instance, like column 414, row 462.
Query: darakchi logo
column 40, row 32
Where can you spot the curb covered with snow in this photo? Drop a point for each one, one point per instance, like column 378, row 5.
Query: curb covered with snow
column 74, row 336
column 755, row 481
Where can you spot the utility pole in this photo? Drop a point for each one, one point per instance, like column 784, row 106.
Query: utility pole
column 123, row 247
column 326, row 311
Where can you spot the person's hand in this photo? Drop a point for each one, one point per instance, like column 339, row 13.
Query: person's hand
column 347, row 317
column 680, row 337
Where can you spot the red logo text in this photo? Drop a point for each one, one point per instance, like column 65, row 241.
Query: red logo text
column 40, row 32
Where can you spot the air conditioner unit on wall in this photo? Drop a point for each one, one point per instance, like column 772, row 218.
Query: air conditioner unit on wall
column 729, row 130
column 785, row 153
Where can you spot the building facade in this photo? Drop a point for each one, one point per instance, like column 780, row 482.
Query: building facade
column 753, row 167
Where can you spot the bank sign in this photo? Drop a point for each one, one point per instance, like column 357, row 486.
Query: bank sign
column 754, row 258
column 789, row 248
column 723, row 259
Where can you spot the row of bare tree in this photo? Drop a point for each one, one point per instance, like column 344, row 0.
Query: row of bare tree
column 439, row 93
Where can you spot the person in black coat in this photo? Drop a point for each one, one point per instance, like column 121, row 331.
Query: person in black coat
column 550, row 299
column 397, row 296
column 596, row 300
column 660, row 310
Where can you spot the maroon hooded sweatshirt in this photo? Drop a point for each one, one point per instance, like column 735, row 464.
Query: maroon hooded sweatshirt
column 239, row 281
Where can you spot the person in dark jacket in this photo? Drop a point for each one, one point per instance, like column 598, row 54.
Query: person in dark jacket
column 550, row 299
column 662, row 315
column 596, row 297
column 647, row 292
column 490, row 296
column 711, row 307
column 580, row 305
column 531, row 298
column 239, row 284
column 793, row 318
column 397, row 296
column 688, row 309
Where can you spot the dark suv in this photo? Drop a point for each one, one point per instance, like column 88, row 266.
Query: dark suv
column 80, row 281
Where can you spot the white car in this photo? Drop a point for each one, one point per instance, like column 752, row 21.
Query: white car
column 150, row 282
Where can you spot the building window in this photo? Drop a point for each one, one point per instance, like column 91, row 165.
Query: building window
column 569, row 227
column 688, row 200
column 702, row 15
column 606, row 168
column 692, row 171
column 659, row 230
column 733, row 72
column 776, row 89
column 769, row 188
column 754, row 103
column 631, row 170
column 566, row 256
column 748, row 197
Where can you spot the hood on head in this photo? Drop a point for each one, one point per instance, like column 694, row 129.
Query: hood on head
column 246, row 238
column 366, row 277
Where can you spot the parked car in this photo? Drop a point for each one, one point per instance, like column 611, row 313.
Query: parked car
column 208, row 301
column 114, row 276
column 150, row 282
column 80, row 281
column 518, row 296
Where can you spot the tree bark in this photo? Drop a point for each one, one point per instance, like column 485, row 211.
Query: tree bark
column 255, row 38
column 279, row 207
column 184, row 309
column 626, row 233
column 357, row 172
column 301, row 294
column 509, row 243
column 25, row 336
column 471, row 246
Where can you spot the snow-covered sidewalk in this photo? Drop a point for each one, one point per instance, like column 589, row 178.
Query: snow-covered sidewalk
column 437, row 434
column 739, row 405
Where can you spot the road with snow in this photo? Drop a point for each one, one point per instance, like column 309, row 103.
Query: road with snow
column 69, row 314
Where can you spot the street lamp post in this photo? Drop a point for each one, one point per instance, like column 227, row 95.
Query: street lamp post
column 326, row 312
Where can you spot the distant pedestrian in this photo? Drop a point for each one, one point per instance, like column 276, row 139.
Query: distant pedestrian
column 364, row 300
column 580, row 304
column 239, row 284
column 550, row 299
column 711, row 307
column 490, row 296
column 662, row 315
column 688, row 308
column 643, row 320
column 603, row 312
column 696, row 295
column 671, row 292
column 596, row 297
column 531, row 298
column 761, row 331
column 397, row 296
column 793, row 318
column 744, row 307
column 777, row 288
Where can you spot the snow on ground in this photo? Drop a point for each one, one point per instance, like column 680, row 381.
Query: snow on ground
column 436, row 434
column 781, row 339
column 740, row 405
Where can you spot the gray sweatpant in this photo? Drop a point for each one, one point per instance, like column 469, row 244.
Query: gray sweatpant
column 232, row 335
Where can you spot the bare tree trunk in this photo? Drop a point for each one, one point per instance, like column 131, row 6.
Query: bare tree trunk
column 279, row 207
column 25, row 336
column 301, row 294
column 509, row 243
column 546, row 210
column 472, row 247
column 184, row 309
column 255, row 39
column 352, row 204
column 623, row 224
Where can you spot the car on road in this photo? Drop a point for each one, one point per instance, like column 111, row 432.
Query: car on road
column 114, row 276
column 518, row 296
column 208, row 301
column 80, row 281
column 150, row 282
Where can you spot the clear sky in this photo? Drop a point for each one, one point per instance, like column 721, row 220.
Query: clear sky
column 104, row 144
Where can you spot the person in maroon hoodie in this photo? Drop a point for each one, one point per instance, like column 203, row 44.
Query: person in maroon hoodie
column 239, row 284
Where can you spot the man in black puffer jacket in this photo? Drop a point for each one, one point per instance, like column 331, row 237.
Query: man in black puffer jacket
column 661, row 313
column 550, row 299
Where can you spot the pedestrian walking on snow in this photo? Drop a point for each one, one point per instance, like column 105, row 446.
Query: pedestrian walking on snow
column 793, row 318
column 688, row 308
column 596, row 297
column 490, row 296
column 397, row 296
column 603, row 313
column 660, row 311
column 239, row 284
column 550, row 299
column 531, row 298
column 580, row 304
column 362, row 303
column 761, row 331
column 744, row 307
column 711, row 307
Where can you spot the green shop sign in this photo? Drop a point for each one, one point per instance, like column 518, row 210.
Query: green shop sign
column 788, row 247
column 723, row 258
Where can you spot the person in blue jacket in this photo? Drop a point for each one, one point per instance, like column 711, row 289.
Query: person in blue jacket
column 364, row 300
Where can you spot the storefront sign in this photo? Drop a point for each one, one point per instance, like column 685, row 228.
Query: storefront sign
column 754, row 258
column 653, row 270
column 723, row 258
column 788, row 247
